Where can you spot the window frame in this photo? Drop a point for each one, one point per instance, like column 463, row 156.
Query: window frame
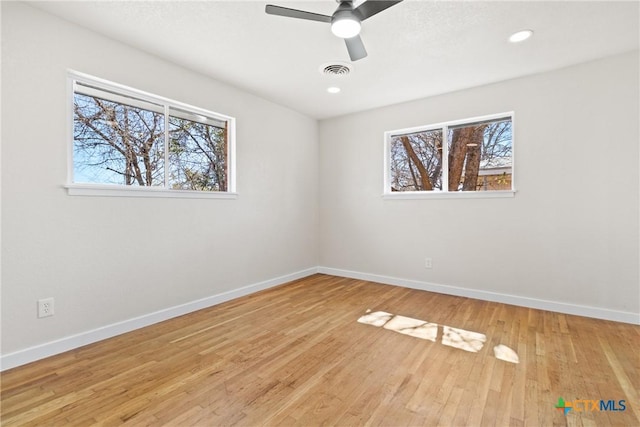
column 167, row 105
column 446, row 194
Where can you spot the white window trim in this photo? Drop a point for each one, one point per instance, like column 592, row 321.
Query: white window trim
column 387, row 194
column 413, row 195
column 110, row 190
column 114, row 190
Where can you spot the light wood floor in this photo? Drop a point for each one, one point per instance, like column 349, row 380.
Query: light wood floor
column 296, row 355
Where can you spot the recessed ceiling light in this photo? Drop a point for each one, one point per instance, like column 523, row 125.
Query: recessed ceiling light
column 333, row 89
column 520, row 36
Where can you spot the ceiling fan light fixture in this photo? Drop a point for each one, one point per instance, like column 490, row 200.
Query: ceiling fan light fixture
column 345, row 26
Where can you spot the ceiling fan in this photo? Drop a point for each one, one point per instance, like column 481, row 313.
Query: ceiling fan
column 345, row 21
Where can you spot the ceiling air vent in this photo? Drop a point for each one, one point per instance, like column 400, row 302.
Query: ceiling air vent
column 335, row 69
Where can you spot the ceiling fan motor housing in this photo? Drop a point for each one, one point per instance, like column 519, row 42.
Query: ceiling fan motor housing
column 346, row 11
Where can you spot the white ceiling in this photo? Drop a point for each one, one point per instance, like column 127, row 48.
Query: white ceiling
column 416, row 48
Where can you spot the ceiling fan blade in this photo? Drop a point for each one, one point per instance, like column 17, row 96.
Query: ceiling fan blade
column 295, row 13
column 356, row 48
column 371, row 7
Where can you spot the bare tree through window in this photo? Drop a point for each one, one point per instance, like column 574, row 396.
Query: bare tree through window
column 116, row 143
column 197, row 156
column 479, row 158
column 134, row 142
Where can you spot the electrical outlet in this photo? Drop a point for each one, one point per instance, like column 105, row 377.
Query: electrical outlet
column 428, row 263
column 45, row 307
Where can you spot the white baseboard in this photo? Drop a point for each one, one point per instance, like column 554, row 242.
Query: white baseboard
column 559, row 307
column 31, row 354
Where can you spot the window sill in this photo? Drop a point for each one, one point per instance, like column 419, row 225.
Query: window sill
column 404, row 195
column 124, row 191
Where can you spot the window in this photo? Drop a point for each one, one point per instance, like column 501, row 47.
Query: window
column 478, row 153
column 128, row 142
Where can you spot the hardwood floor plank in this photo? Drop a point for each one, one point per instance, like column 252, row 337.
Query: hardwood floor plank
column 296, row 355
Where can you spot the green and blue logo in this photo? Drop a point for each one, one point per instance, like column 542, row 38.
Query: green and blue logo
column 562, row 405
column 589, row 405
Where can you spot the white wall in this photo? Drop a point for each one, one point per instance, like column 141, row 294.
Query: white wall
column 106, row 260
column 569, row 236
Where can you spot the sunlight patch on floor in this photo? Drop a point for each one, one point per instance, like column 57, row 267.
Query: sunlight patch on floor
column 451, row 337
column 505, row 353
column 464, row 340
column 379, row 318
column 413, row 327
